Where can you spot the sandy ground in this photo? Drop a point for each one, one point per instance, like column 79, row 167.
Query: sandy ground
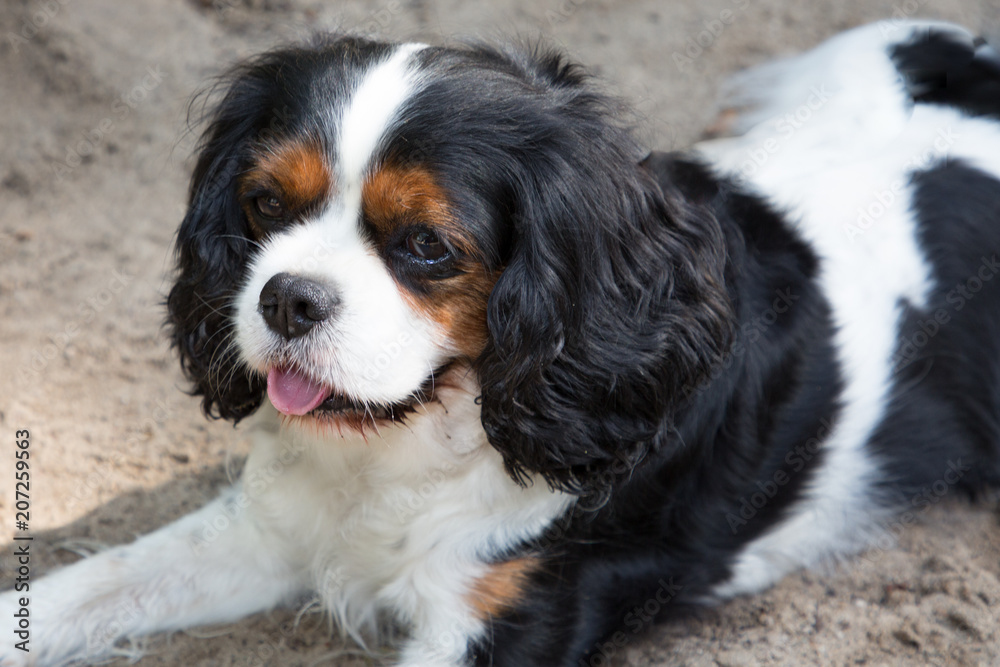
column 94, row 157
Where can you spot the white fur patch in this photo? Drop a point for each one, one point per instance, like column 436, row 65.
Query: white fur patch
column 403, row 522
column 373, row 108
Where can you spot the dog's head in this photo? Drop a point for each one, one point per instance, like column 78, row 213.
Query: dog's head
column 364, row 216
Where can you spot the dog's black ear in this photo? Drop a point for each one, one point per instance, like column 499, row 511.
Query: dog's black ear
column 611, row 308
column 212, row 251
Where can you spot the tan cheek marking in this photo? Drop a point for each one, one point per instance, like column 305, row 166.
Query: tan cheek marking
column 461, row 310
column 501, row 587
column 394, row 196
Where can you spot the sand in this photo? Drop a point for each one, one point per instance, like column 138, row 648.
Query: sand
column 94, row 157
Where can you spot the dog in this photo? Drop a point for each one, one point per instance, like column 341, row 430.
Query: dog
column 513, row 377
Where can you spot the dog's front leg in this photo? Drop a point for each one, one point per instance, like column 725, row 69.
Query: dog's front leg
column 446, row 638
column 212, row 566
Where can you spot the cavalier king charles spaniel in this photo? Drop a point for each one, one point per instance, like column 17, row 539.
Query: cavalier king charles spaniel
column 521, row 388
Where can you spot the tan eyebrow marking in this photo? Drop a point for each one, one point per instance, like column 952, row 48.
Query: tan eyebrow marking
column 297, row 171
column 396, row 196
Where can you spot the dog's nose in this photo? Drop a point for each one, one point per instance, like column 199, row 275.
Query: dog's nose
column 292, row 305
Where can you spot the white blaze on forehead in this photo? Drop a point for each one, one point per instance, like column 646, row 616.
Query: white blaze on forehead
column 372, row 108
column 376, row 349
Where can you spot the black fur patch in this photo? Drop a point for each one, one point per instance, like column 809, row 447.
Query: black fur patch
column 942, row 67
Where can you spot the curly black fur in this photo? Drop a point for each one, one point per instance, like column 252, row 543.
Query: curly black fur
column 612, row 303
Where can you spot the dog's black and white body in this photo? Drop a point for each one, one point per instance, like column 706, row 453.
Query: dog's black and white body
column 522, row 381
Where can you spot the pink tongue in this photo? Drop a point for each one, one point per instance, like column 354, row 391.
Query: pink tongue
column 293, row 393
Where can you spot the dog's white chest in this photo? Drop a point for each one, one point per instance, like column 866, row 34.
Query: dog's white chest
column 406, row 520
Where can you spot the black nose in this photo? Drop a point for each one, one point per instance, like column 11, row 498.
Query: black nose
column 292, row 305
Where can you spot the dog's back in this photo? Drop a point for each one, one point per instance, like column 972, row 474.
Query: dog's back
column 882, row 151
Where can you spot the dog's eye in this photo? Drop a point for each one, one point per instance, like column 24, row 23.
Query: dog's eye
column 269, row 207
column 426, row 245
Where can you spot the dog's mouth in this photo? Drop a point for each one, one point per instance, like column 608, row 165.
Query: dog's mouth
column 295, row 394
